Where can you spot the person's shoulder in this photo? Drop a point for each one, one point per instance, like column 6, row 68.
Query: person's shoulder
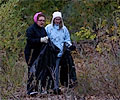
column 43, row 28
column 30, row 27
column 49, row 25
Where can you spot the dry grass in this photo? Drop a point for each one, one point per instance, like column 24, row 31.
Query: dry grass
column 98, row 79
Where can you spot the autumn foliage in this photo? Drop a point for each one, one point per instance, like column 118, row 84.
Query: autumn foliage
column 94, row 26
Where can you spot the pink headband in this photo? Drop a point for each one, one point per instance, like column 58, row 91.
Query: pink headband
column 35, row 16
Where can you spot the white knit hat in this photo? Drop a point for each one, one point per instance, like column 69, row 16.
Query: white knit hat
column 57, row 14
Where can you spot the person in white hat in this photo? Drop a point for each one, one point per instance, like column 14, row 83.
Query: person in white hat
column 58, row 34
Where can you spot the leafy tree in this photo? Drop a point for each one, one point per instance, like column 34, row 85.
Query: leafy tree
column 12, row 42
column 12, row 30
column 97, row 20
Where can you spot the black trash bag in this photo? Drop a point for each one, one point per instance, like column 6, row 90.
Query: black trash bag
column 43, row 67
column 67, row 71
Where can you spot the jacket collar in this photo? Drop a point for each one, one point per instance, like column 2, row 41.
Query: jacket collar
column 37, row 26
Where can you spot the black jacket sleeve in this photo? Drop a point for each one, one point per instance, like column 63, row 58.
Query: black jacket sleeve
column 30, row 38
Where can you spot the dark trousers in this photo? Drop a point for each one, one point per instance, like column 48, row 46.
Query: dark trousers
column 56, row 81
column 32, row 83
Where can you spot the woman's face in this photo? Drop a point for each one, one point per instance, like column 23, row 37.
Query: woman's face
column 57, row 20
column 41, row 21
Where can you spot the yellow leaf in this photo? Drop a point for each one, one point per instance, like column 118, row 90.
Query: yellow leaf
column 112, row 28
column 114, row 38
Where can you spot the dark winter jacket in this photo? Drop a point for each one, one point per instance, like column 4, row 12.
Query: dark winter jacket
column 33, row 46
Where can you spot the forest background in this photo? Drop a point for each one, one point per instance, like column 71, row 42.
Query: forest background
column 94, row 26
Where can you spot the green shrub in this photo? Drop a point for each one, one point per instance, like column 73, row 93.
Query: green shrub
column 83, row 34
column 12, row 43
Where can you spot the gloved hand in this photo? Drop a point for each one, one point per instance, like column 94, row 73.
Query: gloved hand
column 72, row 47
column 44, row 39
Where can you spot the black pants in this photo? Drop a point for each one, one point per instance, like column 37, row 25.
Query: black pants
column 32, row 83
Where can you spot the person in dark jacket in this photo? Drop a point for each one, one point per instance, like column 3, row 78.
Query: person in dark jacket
column 36, row 38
